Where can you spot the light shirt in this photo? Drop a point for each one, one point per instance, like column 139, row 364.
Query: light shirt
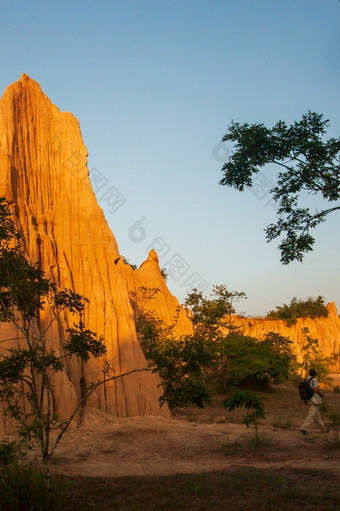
column 316, row 399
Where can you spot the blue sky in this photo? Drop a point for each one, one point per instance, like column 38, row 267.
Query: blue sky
column 154, row 85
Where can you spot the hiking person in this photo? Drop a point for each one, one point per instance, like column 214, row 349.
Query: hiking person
column 313, row 404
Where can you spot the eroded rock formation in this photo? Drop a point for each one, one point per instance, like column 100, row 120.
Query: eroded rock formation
column 161, row 303
column 44, row 176
column 325, row 329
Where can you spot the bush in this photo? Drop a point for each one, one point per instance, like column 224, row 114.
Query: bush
column 312, row 308
column 249, row 359
column 251, row 402
column 180, row 362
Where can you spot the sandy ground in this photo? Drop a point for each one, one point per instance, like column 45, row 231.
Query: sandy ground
column 112, row 447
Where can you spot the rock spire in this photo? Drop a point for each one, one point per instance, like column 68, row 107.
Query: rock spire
column 44, row 176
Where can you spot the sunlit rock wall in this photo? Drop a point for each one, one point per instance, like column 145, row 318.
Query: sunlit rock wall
column 44, row 176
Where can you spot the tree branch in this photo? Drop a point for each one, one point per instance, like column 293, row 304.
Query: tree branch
column 12, row 339
column 285, row 166
column 54, row 318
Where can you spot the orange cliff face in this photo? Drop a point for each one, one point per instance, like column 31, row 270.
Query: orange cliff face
column 325, row 329
column 45, row 178
column 162, row 303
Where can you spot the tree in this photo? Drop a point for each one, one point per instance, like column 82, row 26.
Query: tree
column 210, row 318
column 251, row 401
column 181, row 361
column 309, row 165
column 178, row 360
column 207, row 313
column 313, row 359
column 250, row 360
column 28, row 363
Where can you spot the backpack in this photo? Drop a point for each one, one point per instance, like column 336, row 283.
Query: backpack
column 305, row 390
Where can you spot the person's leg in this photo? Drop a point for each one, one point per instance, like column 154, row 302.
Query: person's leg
column 319, row 420
column 312, row 411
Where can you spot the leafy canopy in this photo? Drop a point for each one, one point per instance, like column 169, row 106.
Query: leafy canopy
column 307, row 164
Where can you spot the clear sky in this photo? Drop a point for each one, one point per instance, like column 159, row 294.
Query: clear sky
column 154, row 84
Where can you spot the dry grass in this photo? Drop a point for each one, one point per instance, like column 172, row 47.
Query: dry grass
column 238, row 490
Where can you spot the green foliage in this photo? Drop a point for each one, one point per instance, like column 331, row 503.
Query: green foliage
column 181, row 361
column 251, row 401
column 249, row 359
column 311, row 307
column 211, row 316
column 83, row 343
column 313, row 359
column 207, row 313
column 306, row 163
column 22, row 486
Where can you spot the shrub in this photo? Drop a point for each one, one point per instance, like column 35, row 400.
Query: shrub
column 312, row 308
column 251, row 402
column 249, row 359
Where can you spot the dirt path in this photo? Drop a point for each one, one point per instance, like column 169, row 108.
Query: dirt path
column 110, row 447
